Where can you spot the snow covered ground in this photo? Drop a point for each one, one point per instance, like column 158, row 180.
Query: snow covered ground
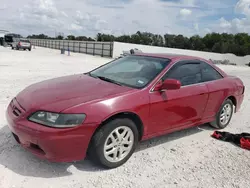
column 189, row 158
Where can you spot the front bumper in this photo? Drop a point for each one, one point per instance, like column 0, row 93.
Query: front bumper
column 57, row 145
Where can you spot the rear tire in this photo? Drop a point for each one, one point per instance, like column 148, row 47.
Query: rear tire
column 29, row 49
column 114, row 143
column 224, row 116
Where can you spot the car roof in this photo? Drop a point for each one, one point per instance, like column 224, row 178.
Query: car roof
column 171, row 56
column 179, row 57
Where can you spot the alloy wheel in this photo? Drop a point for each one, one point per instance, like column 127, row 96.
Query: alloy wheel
column 118, row 144
column 226, row 114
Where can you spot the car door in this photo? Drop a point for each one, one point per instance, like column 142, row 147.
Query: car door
column 182, row 107
column 216, row 89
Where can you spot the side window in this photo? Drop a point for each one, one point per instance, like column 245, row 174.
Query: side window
column 188, row 74
column 209, row 73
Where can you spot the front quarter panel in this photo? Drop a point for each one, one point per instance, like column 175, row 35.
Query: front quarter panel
column 98, row 111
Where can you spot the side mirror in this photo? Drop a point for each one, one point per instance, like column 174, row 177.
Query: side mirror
column 168, row 84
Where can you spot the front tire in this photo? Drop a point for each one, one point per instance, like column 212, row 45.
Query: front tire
column 224, row 116
column 114, row 143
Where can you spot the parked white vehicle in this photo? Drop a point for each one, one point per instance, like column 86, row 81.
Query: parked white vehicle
column 19, row 43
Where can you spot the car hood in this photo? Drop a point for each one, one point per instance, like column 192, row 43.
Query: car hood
column 64, row 92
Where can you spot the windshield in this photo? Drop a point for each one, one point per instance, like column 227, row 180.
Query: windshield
column 132, row 71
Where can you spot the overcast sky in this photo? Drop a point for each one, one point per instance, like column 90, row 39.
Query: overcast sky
column 88, row 17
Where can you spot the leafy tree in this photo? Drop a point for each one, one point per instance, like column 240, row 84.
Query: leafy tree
column 181, row 42
column 124, row 38
column 71, row 37
column 169, row 40
column 59, row 37
column 40, row 36
column 196, row 43
column 105, row 37
column 211, row 39
column 238, row 44
column 81, row 38
column 157, row 40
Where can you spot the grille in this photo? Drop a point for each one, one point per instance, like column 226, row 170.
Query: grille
column 15, row 110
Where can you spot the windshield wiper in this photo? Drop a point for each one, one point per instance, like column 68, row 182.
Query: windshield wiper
column 108, row 80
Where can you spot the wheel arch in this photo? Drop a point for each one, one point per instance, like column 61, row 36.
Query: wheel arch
column 130, row 115
column 234, row 100
column 126, row 114
column 215, row 122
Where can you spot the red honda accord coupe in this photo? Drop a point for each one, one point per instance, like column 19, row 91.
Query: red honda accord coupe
column 104, row 113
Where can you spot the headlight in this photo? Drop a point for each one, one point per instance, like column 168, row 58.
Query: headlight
column 56, row 119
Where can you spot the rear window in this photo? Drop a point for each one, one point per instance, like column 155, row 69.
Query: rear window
column 25, row 41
